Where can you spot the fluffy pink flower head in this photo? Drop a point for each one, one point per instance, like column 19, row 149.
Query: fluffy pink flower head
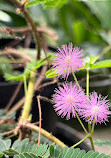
column 67, row 59
column 67, row 99
column 96, row 110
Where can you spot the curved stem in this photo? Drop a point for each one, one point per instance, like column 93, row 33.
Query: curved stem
column 80, row 141
column 45, row 133
column 75, row 79
column 81, row 123
column 30, row 21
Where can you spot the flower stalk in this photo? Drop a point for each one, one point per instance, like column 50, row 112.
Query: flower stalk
column 80, row 141
column 81, row 123
column 76, row 79
column 89, row 125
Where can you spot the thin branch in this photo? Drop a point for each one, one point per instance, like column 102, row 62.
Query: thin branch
column 7, row 133
column 45, row 99
column 40, row 119
column 17, row 106
column 30, row 21
column 13, row 97
column 47, row 84
column 39, row 29
column 12, row 51
column 41, row 77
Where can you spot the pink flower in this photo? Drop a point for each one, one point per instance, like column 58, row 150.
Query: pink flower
column 96, row 109
column 67, row 99
column 67, row 59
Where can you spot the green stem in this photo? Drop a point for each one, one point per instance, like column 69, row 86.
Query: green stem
column 25, row 85
column 80, row 141
column 87, row 83
column 89, row 125
column 75, row 79
column 10, row 136
column 45, row 133
column 28, row 99
column 81, row 123
column 92, row 131
column 87, row 92
column 92, row 144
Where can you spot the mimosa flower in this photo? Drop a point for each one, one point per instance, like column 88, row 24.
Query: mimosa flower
column 67, row 99
column 67, row 59
column 96, row 110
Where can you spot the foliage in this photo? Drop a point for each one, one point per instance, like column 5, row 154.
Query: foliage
column 47, row 3
column 6, row 116
column 103, row 142
column 32, row 66
column 25, row 148
column 89, row 63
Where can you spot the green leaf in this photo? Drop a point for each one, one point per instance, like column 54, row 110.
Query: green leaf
column 51, row 149
column 34, row 2
column 11, row 152
column 1, row 155
column 4, row 145
column 103, row 142
column 79, row 32
column 51, row 73
column 102, row 64
column 89, row 61
column 54, row 3
column 26, row 149
column 30, row 67
column 47, row 3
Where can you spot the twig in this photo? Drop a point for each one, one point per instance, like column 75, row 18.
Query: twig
column 15, row 52
column 39, row 29
column 47, row 84
column 41, row 77
column 7, row 133
column 40, row 119
column 16, row 106
column 13, row 97
column 30, row 21
column 45, row 99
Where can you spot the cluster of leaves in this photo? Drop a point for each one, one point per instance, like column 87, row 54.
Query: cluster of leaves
column 25, row 148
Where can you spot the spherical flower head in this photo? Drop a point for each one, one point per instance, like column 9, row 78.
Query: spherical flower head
column 67, row 99
column 96, row 110
column 67, row 59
